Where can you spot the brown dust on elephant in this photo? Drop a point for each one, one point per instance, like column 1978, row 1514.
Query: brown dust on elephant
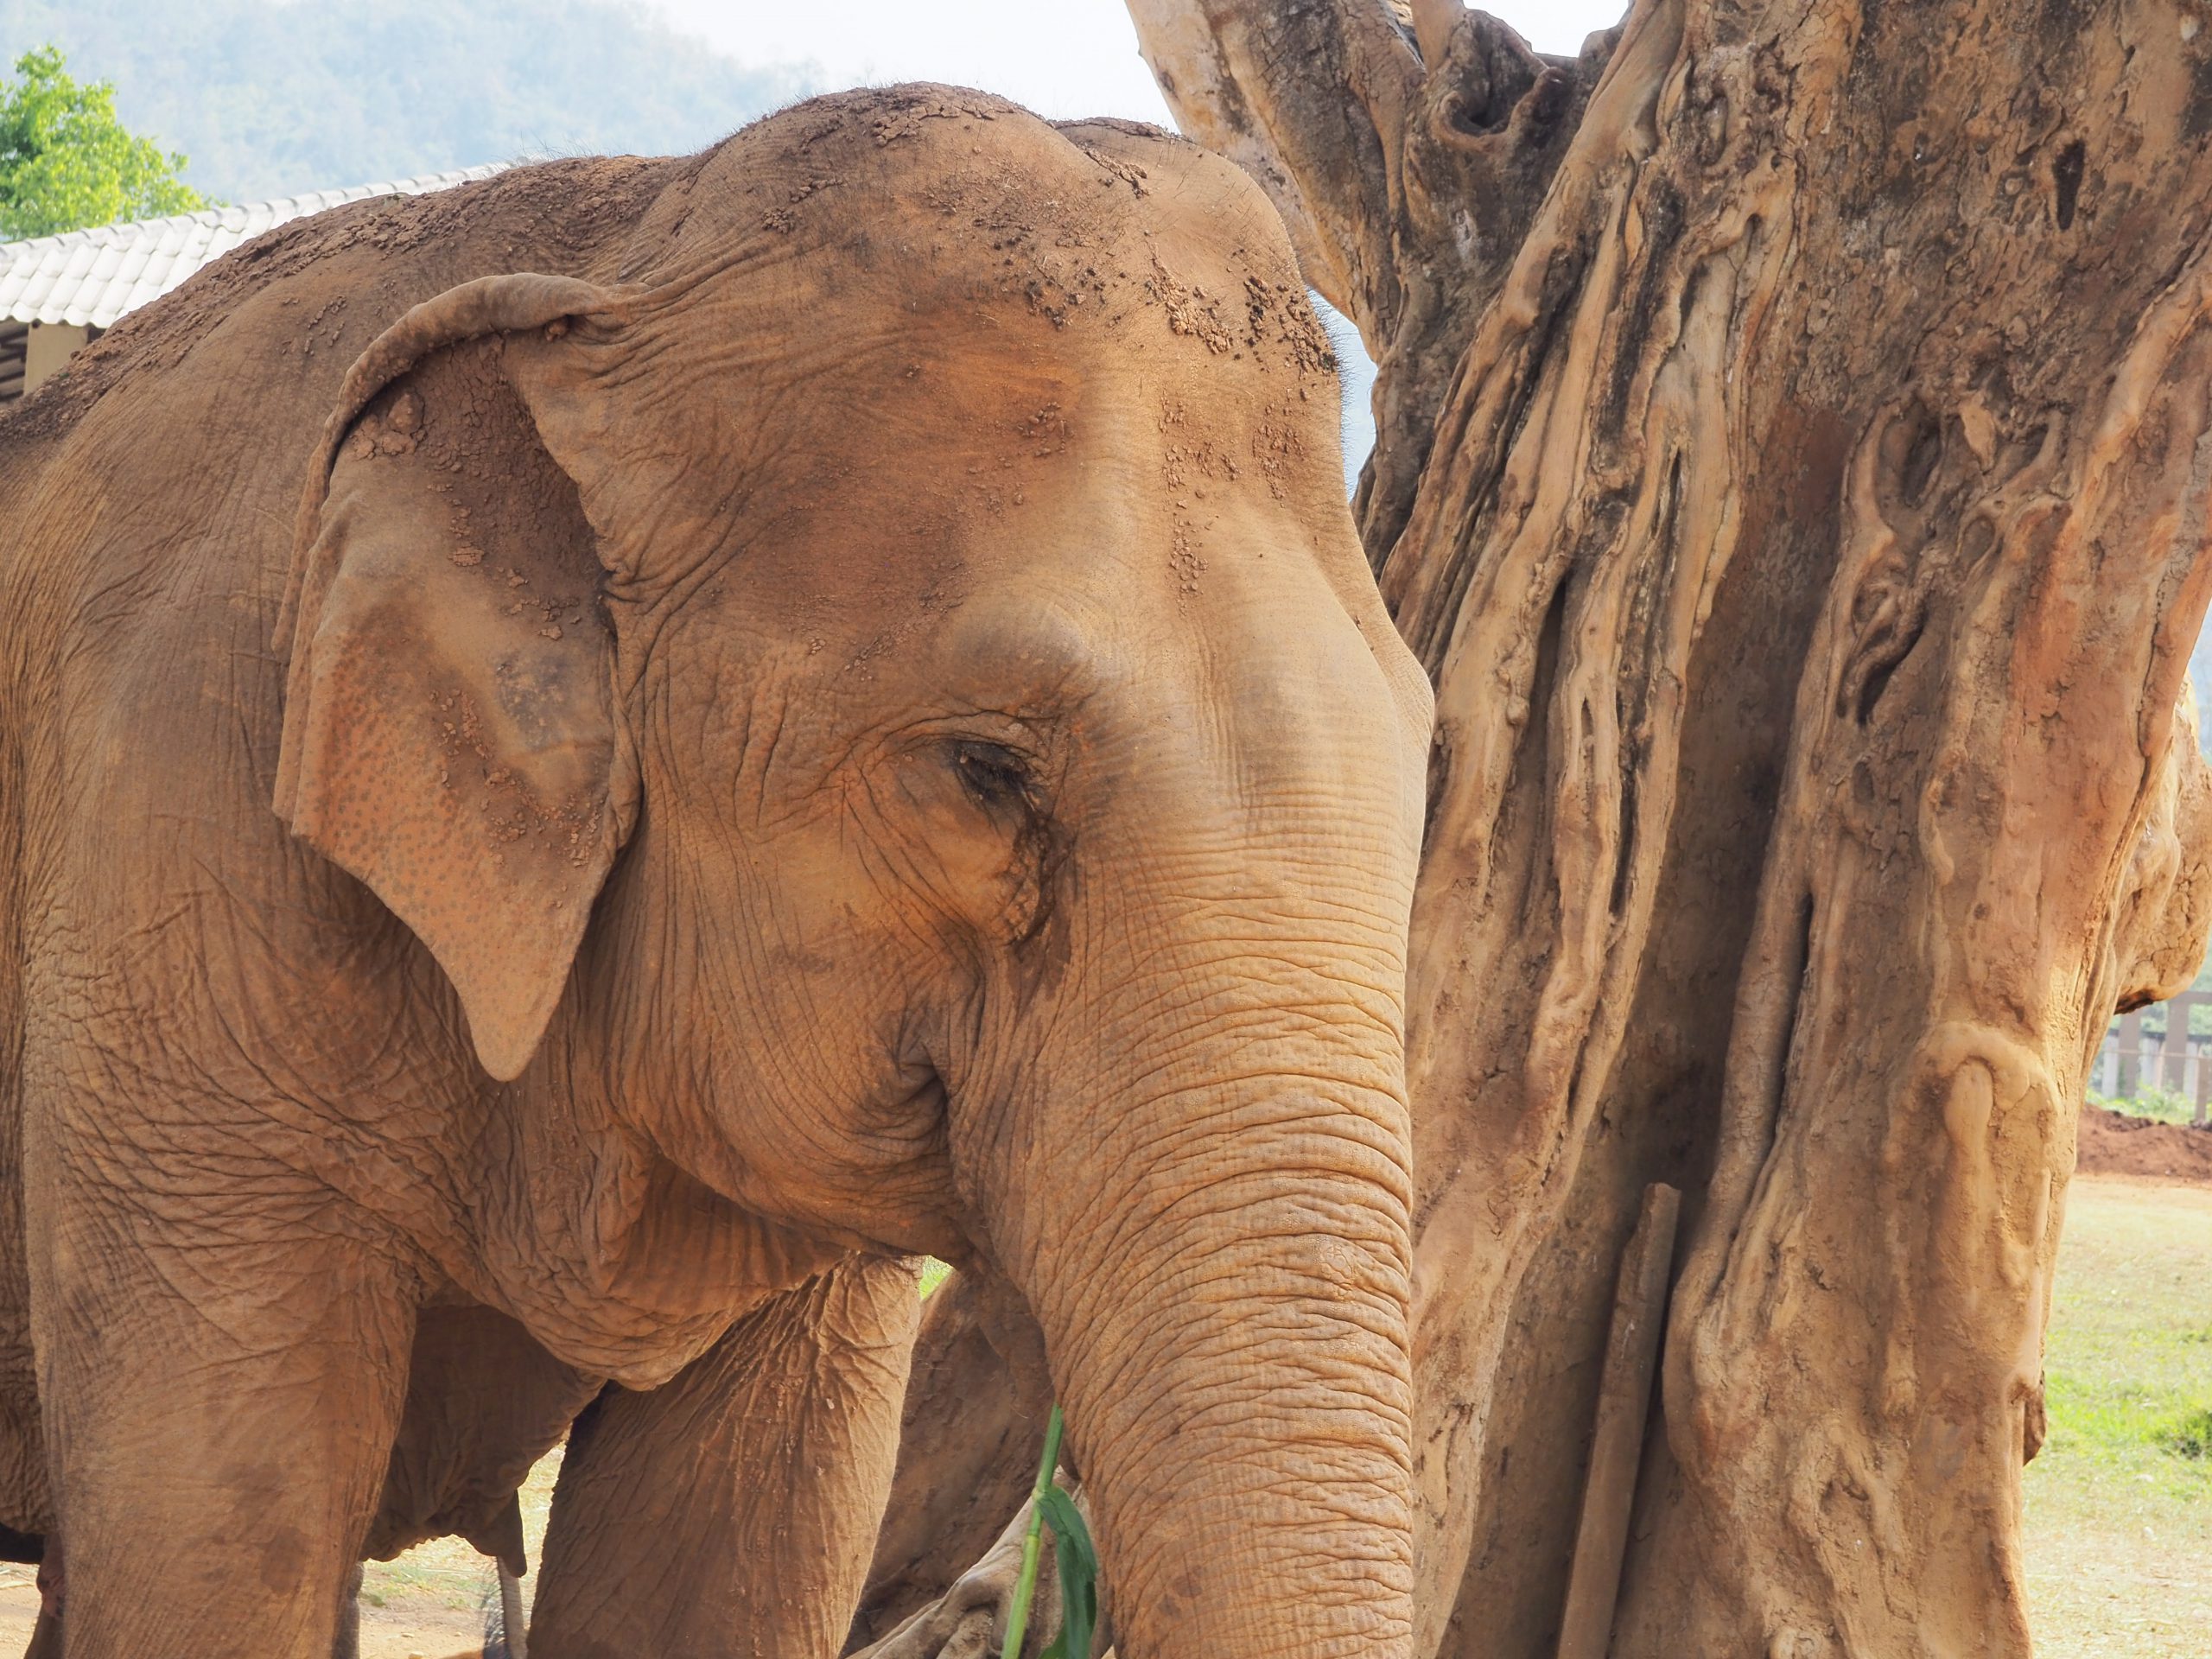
column 821, row 703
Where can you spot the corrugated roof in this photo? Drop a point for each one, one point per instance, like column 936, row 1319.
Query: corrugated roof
column 94, row 276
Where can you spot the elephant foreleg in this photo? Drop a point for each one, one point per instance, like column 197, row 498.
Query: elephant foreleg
column 45, row 1635
column 969, row 1437
column 348, row 1643
column 218, row 1418
column 733, row 1510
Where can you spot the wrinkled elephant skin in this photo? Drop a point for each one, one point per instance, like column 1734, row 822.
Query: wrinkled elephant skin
column 821, row 704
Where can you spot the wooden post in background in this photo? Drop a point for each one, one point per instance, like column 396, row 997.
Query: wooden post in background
column 1617, row 1449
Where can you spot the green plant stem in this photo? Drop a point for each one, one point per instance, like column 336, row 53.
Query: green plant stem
column 1025, row 1586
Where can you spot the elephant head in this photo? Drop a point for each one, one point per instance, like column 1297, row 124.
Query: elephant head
column 890, row 687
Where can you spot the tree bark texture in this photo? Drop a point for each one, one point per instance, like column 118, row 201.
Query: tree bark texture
column 1793, row 453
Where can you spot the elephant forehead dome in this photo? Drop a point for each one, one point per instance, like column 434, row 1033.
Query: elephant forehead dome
column 923, row 195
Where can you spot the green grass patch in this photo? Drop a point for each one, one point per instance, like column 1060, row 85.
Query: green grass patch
column 2191, row 1437
column 2116, row 1511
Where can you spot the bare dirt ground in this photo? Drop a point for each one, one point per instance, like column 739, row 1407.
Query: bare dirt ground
column 2140, row 1149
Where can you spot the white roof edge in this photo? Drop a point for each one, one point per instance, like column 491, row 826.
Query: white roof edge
column 35, row 285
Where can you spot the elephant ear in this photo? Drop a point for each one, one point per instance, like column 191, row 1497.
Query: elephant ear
column 450, row 733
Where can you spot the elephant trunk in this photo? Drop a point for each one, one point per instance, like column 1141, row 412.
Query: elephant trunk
column 1219, row 1258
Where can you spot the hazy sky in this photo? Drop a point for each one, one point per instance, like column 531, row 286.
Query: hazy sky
column 1060, row 57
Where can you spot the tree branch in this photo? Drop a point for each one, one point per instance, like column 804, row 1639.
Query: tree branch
column 1409, row 174
column 1310, row 99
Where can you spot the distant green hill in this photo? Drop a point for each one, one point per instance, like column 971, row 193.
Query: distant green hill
column 268, row 99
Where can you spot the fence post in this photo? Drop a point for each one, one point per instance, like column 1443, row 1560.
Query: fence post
column 2131, row 1054
column 2182, row 1018
column 2172, row 1050
column 2200, row 1078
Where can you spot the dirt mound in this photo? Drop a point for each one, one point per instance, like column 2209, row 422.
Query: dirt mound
column 2135, row 1149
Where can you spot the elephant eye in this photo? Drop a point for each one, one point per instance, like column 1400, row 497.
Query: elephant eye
column 997, row 779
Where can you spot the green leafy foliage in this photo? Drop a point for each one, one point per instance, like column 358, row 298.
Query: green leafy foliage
column 1025, row 1582
column 2160, row 1104
column 1074, row 1557
column 1077, row 1560
column 272, row 98
column 67, row 162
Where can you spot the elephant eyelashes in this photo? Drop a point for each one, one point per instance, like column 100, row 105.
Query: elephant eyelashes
column 996, row 778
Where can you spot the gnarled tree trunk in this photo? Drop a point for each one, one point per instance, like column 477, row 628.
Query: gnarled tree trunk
column 1794, row 440
column 1793, row 460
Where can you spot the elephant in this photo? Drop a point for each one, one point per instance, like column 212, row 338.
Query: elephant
column 594, row 763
